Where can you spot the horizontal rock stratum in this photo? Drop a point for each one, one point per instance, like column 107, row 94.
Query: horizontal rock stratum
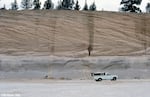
column 70, row 33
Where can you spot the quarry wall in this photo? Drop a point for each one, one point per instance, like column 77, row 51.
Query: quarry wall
column 34, row 44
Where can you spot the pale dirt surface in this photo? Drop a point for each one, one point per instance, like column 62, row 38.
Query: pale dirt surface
column 69, row 33
column 75, row 88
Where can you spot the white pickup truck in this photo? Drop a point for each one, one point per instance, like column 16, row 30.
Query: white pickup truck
column 104, row 76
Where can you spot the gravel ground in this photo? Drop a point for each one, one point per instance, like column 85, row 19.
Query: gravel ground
column 74, row 88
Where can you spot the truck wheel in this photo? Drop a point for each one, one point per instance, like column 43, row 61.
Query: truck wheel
column 96, row 80
column 100, row 79
column 114, row 78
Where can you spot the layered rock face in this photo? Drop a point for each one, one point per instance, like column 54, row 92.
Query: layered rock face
column 71, row 33
column 34, row 44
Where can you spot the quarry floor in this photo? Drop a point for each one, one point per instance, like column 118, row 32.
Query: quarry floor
column 74, row 88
